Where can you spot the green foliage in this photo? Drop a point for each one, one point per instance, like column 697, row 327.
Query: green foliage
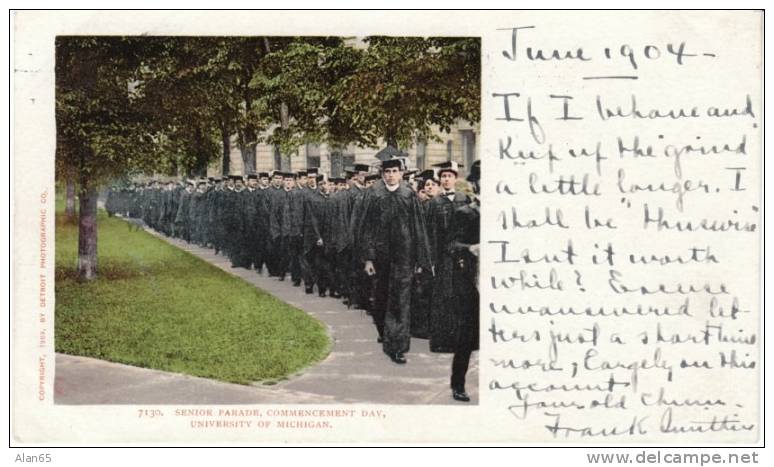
column 163, row 104
column 156, row 306
column 104, row 127
column 403, row 86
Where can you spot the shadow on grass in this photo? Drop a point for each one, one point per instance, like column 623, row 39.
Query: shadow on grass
column 106, row 271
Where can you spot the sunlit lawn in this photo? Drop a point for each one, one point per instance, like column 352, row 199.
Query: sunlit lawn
column 156, row 306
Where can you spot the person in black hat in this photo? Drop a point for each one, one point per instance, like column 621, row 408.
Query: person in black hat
column 301, row 179
column 285, row 228
column 263, row 180
column 262, row 241
column 465, row 227
column 439, row 213
column 217, row 228
column 421, row 295
column 305, row 260
column 181, row 218
column 195, row 210
column 357, row 282
column 317, row 238
column 341, row 209
column 298, row 196
column 392, row 244
column 247, row 242
column 230, row 216
column 275, row 196
column 370, row 180
column 234, row 215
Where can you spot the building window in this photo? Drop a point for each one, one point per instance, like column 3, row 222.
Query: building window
column 449, row 154
column 312, row 155
column 468, row 147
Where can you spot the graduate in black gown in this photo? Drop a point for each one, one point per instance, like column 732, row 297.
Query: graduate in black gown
column 283, row 230
column 317, row 238
column 421, row 293
column 443, row 325
column 261, row 243
column 309, row 238
column 275, row 195
column 249, row 207
column 465, row 227
column 392, row 243
column 234, row 222
column 181, row 218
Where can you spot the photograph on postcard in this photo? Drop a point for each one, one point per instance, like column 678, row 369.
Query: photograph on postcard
column 266, row 219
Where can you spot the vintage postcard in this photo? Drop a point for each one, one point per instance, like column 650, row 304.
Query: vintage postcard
column 511, row 227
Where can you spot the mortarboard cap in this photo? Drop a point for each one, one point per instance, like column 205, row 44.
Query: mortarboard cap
column 313, row 171
column 428, row 174
column 400, row 163
column 252, row 176
column 263, row 174
column 301, row 173
column 390, row 152
column 372, row 177
column 448, row 166
column 361, row 168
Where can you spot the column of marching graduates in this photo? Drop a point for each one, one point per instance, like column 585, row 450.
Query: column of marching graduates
column 399, row 244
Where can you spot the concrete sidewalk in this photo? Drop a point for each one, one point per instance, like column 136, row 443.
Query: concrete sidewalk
column 356, row 371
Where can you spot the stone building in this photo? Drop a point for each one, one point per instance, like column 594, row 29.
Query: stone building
column 461, row 145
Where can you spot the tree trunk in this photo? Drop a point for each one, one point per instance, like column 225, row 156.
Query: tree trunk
column 226, row 164
column 70, row 200
column 248, row 150
column 248, row 158
column 87, row 234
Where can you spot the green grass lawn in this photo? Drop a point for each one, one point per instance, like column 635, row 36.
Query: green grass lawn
column 156, row 306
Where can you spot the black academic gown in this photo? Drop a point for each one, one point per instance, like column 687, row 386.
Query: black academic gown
column 181, row 218
column 360, row 289
column 262, row 239
column 246, row 236
column 274, row 197
column 421, row 294
column 317, row 226
column 465, row 232
column 443, row 323
column 392, row 235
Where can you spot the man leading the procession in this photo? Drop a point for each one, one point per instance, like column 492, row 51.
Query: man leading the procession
column 392, row 243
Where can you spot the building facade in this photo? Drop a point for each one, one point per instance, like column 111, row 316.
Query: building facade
column 460, row 144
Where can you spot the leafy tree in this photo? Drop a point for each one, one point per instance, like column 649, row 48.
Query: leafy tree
column 402, row 87
column 107, row 124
